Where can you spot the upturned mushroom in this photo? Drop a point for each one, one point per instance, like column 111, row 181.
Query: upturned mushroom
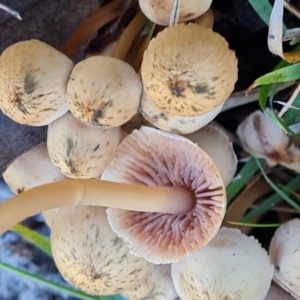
column 33, row 80
column 90, row 256
column 158, row 285
column 215, row 142
column 103, row 91
column 187, row 71
column 261, row 136
column 161, row 173
column 79, row 150
column 231, row 266
column 285, row 255
column 30, row 170
column 159, row 12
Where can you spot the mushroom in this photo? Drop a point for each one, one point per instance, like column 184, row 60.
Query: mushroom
column 103, row 91
column 285, row 255
column 33, row 80
column 154, row 158
column 215, row 142
column 207, row 19
column 158, row 285
column 159, row 12
column 188, row 71
column 30, row 170
column 261, row 136
column 79, row 150
column 169, row 122
column 161, row 173
column 231, row 266
column 90, row 256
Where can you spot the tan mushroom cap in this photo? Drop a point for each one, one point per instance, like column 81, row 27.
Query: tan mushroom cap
column 188, row 70
column 154, row 158
column 90, row 256
column 157, row 286
column 215, row 142
column 207, row 19
column 159, row 12
column 79, row 150
column 104, row 91
column 232, row 266
column 169, row 122
column 285, row 256
column 32, row 169
column 263, row 137
column 33, row 80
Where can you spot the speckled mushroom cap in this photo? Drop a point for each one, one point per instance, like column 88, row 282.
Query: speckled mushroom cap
column 169, row 122
column 79, row 150
column 285, row 256
column 90, row 256
column 32, row 169
column 104, row 91
column 154, row 158
column 157, row 286
column 214, row 141
column 33, row 80
column 159, row 12
column 232, row 266
column 188, row 70
column 263, row 137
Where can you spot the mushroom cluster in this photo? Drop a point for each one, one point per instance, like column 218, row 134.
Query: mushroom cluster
column 133, row 205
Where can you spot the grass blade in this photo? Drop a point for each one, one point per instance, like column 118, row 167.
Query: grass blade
column 55, row 286
column 263, row 8
column 254, row 225
column 292, row 114
column 33, row 237
column 238, row 183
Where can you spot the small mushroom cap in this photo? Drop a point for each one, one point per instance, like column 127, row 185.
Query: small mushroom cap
column 104, row 91
column 261, row 135
column 159, row 12
column 32, row 169
column 154, row 158
column 188, row 70
column 90, row 256
column 33, row 80
column 232, row 266
column 285, row 256
column 169, row 122
column 157, row 286
column 214, row 141
column 79, row 150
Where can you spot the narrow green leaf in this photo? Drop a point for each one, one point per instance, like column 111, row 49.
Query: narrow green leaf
column 263, row 8
column 34, row 237
column 254, row 225
column 286, row 74
column 242, row 178
column 55, row 286
column 273, row 200
column 292, row 114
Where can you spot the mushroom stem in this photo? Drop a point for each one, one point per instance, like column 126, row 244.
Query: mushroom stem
column 170, row 200
column 128, row 36
column 94, row 22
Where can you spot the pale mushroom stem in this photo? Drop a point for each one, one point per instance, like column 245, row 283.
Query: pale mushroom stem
column 128, row 36
column 171, row 200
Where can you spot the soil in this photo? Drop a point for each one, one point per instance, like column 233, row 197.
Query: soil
column 247, row 35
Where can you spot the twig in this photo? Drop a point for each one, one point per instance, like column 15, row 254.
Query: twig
column 290, row 101
column 294, row 10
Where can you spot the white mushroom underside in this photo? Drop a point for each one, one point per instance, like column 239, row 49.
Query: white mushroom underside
column 155, row 158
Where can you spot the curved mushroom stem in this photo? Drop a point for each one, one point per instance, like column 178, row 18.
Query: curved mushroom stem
column 94, row 22
column 128, row 36
column 170, row 200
